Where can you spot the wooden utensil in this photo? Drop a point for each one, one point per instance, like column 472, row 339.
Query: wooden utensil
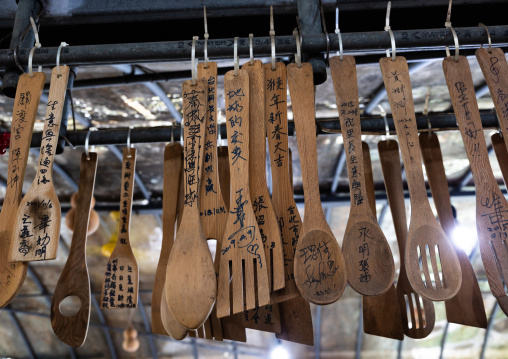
column 491, row 205
column 320, row 272
column 37, row 229
column 28, row 94
column 501, row 154
column 120, row 286
column 74, row 280
column 433, row 268
column 171, row 181
column 224, row 178
column 262, row 203
column 418, row 316
column 369, row 261
column 381, row 313
column 466, row 307
column 93, row 222
column 191, row 286
column 243, row 258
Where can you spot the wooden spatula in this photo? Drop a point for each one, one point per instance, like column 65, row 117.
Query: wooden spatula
column 501, row 154
column 74, row 280
column 120, row 286
column 381, row 313
column 418, row 316
column 491, row 205
column 368, row 256
column 191, row 286
column 432, row 265
column 171, row 181
column 28, row 94
column 37, row 229
column 243, row 257
column 320, row 272
column 466, row 307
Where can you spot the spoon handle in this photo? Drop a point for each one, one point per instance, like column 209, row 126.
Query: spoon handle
column 126, row 194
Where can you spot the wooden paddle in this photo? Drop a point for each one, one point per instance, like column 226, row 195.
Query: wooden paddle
column 418, row 316
column 74, row 280
column 432, row 265
column 320, row 271
column 28, row 93
column 501, row 154
column 369, row 260
column 37, row 229
column 243, row 257
column 191, row 286
column 171, row 184
column 491, row 205
column 381, row 313
column 466, row 307
column 120, row 286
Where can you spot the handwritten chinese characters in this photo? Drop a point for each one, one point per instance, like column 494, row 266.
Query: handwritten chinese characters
column 321, row 255
column 118, row 290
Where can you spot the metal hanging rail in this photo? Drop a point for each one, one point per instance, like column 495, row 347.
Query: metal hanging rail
column 359, row 43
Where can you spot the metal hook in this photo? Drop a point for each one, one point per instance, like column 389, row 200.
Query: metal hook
column 387, row 128
column 389, row 29
column 251, row 49
column 129, row 141
column 62, row 44
column 235, row 56
column 193, row 60
column 488, row 36
column 323, row 22
column 337, row 31
column 172, row 132
column 206, row 38
column 298, row 55
column 87, row 142
column 36, row 46
column 272, row 38
column 448, row 25
column 426, row 112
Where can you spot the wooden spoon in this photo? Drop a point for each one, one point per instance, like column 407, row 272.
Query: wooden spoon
column 172, row 175
column 418, row 316
column 501, row 154
column 381, row 313
column 432, row 265
column 74, row 280
column 491, row 205
column 320, row 271
column 94, row 221
column 37, row 229
column 120, row 286
column 191, row 286
column 28, row 93
column 466, row 307
column 243, row 258
column 369, row 260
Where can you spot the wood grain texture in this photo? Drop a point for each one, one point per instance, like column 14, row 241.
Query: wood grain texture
column 381, row 313
column 262, row 203
column 74, row 280
column 171, row 185
column 243, row 258
column 421, row 319
column 495, row 70
column 320, row 272
column 282, row 193
column 491, row 205
column 191, row 286
column 121, row 278
column 467, row 306
column 28, row 94
column 37, row 228
column 501, row 154
column 425, row 238
column 369, row 261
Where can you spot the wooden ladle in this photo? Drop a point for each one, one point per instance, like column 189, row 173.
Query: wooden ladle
column 320, row 271
column 432, row 265
column 37, row 229
column 74, row 280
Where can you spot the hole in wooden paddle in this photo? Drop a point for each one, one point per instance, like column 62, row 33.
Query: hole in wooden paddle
column 439, row 266
column 415, row 311
column 408, row 313
column 429, row 266
column 70, row 305
column 422, row 313
column 422, row 273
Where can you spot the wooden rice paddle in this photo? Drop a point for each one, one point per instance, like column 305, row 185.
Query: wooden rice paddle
column 369, row 261
column 418, row 316
column 433, row 268
column 171, row 183
column 242, row 254
column 28, row 93
column 381, row 313
column 191, row 286
column 491, row 205
column 466, row 307
column 120, row 286
column 320, row 272
column 37, row 225
column 74, row 280
column 501, row 154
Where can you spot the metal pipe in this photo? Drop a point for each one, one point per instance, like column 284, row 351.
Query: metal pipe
column 109, row 339
column 358, row 42
column 338, row 170
column 490, row 325
column 24, row 336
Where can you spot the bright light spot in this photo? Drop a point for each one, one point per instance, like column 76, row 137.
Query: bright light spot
column 465, row 238
column 138, row 107
column 279, row 352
